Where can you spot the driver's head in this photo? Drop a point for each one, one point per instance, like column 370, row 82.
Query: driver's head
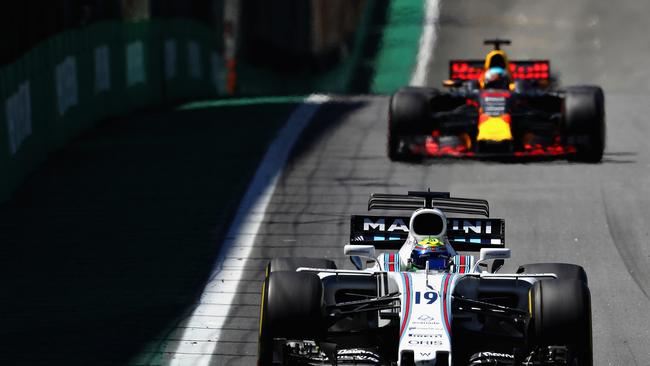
column 496, row 78
column 431, row 250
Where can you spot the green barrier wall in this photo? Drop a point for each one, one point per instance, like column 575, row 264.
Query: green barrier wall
column 66, row 84
column 396, row 58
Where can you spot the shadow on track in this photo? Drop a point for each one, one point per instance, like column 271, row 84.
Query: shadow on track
column 113, row 237
column 619, row 157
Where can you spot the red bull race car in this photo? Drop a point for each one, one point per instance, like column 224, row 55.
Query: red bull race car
column 419, row 296
column 498, row 108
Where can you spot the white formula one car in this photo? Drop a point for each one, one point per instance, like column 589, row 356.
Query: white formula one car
column 419, row 301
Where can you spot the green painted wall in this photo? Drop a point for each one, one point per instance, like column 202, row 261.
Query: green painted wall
column 66, row 84
column 71, row 81
column 398, row 51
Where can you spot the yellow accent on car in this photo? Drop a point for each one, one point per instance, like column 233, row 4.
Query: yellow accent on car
column 488, row 63
column 431, row 242
column 467, row 141
column 266, row 277
column 530, row 303
column 262, row 308
column 494, row 129
column 498, row 53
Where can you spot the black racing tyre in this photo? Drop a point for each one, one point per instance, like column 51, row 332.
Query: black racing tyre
column 584, row 122
column 291, row 307
column 293, row 263
column 407, row 115
column 561, row 316
column 564, row 271
column 407, row 358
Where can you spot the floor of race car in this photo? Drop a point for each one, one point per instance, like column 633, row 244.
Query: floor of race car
column 451, row 147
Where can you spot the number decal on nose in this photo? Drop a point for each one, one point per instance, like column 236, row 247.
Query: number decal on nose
column 429, row 296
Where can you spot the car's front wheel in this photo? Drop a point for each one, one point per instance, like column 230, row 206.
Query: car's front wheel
column 561, row 316
column 407, row 116
column 291, row 308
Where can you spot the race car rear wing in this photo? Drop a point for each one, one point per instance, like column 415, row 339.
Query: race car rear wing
column 427, row 199
column 534, row 70
column 390, row 232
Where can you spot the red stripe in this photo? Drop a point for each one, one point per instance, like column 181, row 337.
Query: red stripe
column 444, row 306
column 408, row 303
column 462, row 264
column 391, row 262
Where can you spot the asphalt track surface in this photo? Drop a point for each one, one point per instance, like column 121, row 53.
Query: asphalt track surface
column 595, row 215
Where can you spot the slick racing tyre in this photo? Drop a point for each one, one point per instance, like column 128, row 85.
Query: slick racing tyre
column 584, row 122
column 564, row 271
column 407, row 116
column 291, row 308
column 293, row 263
column 561, row 316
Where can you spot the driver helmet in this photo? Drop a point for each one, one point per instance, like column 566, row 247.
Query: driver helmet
column 496, row 78
column 431, row 250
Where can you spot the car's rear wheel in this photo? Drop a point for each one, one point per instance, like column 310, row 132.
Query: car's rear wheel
column 561, row 316
column 407, row 116
column 291, row 308
column 584, row 122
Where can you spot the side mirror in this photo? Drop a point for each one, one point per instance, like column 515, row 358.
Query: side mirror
column 498, row 254
column 494, row 253
column 355, row 252
column 367, row 251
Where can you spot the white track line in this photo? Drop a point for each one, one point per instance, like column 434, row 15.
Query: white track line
column 249, row 217
column 427, row 43
column 193, row 341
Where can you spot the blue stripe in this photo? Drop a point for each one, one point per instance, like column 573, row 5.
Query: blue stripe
column 456, row 263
